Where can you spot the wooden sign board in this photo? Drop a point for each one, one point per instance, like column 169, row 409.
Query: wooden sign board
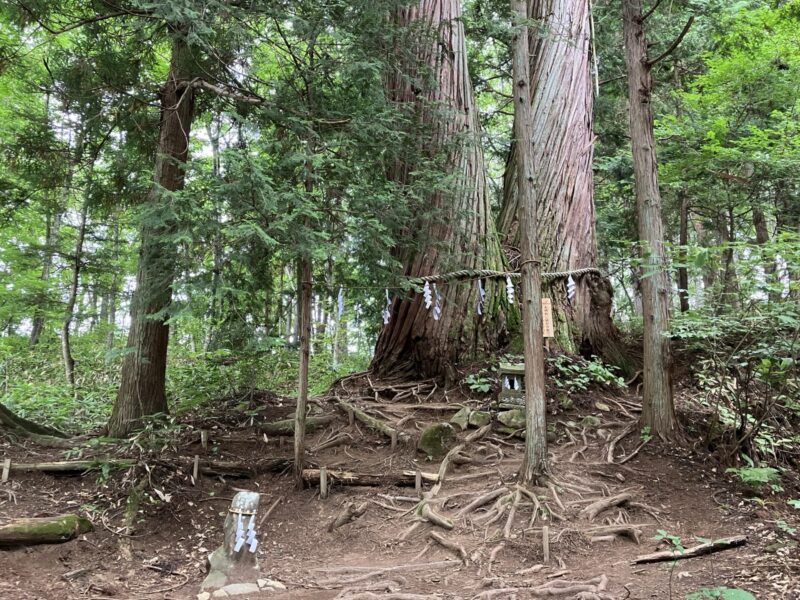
column 547, row 318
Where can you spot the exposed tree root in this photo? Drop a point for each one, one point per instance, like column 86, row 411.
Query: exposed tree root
column 571, row 588
column 450, row 545
column 594, row 509
column 349, row 513
column 371, row 422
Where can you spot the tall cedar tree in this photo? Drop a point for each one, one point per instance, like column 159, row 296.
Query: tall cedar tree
column 534, row 464
column 142, row 387
column 461, row 233
column 562, row 98
column 658, row 410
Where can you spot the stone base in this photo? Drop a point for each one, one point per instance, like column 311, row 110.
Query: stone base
column 245, row 591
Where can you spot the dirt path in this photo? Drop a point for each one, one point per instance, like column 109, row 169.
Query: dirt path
column 369, row 558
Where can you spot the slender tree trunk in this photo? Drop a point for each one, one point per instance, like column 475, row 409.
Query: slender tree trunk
column 52, row 225
column 562, row 100
column 730, row 281
column 457, row 232
column 304, row 319
column 113, row 293
column 683, row 271
column 658, row 410
column 142, row 388
column 69, row 311
column 762, row 239
column 529, row 181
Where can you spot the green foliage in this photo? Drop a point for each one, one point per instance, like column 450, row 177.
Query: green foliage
column 673, row 540
column 478, row 383
column 720, row 593
column 755, row 476
column 575, row 374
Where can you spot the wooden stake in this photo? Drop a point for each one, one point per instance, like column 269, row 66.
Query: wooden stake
column 546, row 544
column 394, row 439
column 323, row 483
column 417, row 483
column 204, row 439
column 196, row 469
column 351, row 418
column 6, row 469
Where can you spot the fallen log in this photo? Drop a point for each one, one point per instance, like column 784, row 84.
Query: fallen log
column 693, row 552
column 286, row 426
column 403, row 478
column 48, row 530
column 213, row 468
column 74, row 466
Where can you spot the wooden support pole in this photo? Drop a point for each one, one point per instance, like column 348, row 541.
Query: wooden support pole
column 546, row 544
column 6, row 469
column 323, row 483
column 204, row 439
column 196, row 469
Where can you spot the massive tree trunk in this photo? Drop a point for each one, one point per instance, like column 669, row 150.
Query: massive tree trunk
column 562, row 100
column 658, row 410
column 457, row 232
column 534, row 464
column 142, row 388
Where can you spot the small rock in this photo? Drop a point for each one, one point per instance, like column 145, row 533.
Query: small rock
column 271, row 583
column 203, row 596
column 479, row 418
column 220, row 594
column 436, row 440
column 461, row 418
column 240, row 589
column 513, row 418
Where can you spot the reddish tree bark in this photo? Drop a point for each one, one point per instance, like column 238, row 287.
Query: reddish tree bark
column 458, row 230
column 562, row 98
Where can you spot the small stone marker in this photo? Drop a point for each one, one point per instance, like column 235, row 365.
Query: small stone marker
column 235, row 561
column 6, row 469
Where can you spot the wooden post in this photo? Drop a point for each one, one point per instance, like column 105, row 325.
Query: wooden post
column 546, row 544
column 196, row 469
column 204, row 439
column 6, row 469
column 323, row 483
column 418, row 483
column 351, row 418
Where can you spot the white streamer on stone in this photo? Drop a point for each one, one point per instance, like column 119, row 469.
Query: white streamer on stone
column 251, row 534
column 437, row 307
column 426, row 294
column 386, row 312
column 509, row 290
column 341, row 302
column 570, row 288
column 239, row 540
column 481, row 297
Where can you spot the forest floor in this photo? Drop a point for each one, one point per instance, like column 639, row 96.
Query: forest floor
column 389, row 552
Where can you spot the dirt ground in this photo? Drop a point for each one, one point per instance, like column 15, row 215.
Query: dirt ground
column 673, row 490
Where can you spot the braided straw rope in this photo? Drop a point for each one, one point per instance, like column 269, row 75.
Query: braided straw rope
column 487, row 274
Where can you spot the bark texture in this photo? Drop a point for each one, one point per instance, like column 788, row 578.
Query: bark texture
column 562, row 99
column 658, row 410
column 142, row 387
column 683, row 271
column 535, row 462
column 460, row 234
